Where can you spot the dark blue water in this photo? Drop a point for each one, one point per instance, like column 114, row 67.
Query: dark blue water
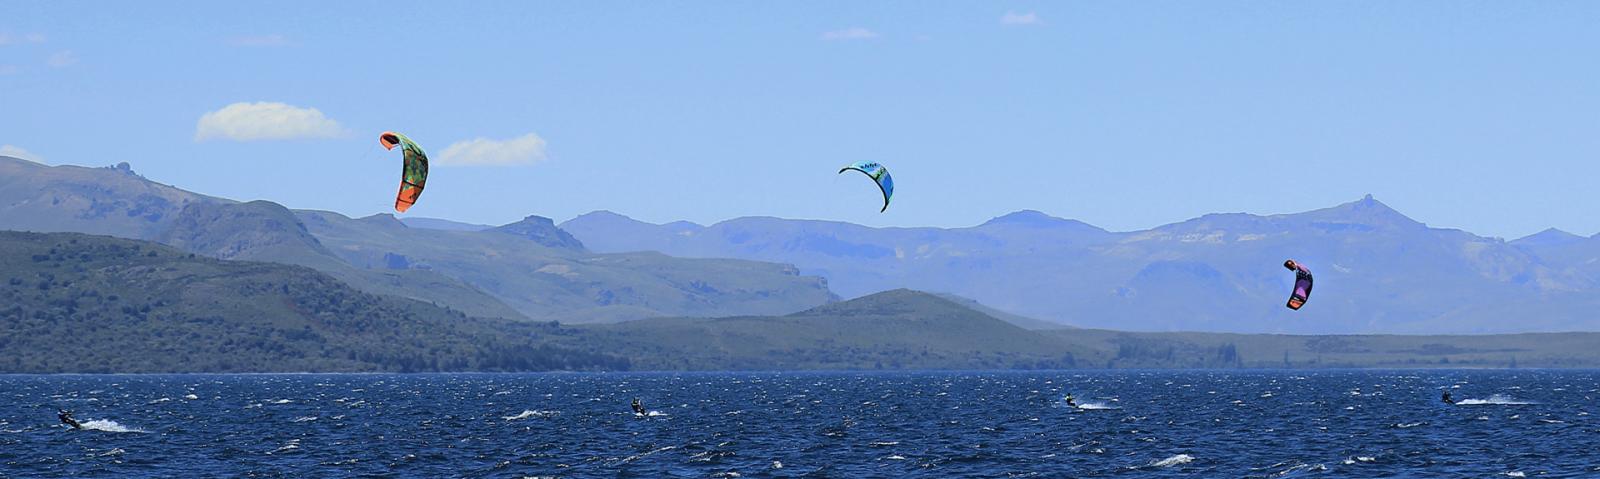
column 1132, row 424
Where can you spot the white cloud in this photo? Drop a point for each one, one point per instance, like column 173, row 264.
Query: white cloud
column 62, row 59
column 265, row 121
column 17, row 152
column 1014, row 18
column 854, row 33
column 522, row 150
column 273, row 40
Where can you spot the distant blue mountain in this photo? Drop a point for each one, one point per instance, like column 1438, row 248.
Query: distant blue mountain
column 1376, row 269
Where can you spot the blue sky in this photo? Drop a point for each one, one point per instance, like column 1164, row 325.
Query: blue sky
column 1477, row 115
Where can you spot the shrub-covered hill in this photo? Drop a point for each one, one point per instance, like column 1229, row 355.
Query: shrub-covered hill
column 82, row 304
column 899, row 329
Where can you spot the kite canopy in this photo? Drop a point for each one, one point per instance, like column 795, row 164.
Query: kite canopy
column 878, row 174
column 1302, row 285
column 415, row 172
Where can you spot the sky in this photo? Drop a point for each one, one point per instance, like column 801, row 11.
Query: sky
column 1483, row 116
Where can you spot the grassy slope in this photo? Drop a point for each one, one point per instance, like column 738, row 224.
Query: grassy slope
column 79, row 303
column 894, row 329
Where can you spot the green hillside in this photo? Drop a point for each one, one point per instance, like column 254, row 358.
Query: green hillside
column 79, row 303
column 899, row 329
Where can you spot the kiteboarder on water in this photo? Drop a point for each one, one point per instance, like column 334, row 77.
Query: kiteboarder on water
column 66, row 418
column 1446, row 398
column 638, row 408
column 1071, row 402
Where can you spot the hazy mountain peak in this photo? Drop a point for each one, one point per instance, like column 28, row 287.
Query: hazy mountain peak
column 1548, row 237
column 1031, row 223
column 1369, row 205
column 603, row 215
column 383, row 219
column 125, row 168
column 1023, row 216
column 542, row 230
column 1367, row 211
column 892, row 302
column 1031, row 218
column 19, row 161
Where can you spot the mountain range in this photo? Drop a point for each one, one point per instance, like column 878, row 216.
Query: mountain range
column 525, row 270
column 1377, row 270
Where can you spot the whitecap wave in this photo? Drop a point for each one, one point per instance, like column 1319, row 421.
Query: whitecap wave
column 305, row 419
column 107, row 425
column 1173, row 461
column 527, row 413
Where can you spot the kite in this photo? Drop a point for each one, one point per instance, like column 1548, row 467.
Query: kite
column 1302, row 284
column 415, row 174
column 878, row 174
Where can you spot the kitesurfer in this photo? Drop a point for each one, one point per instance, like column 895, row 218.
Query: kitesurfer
column 638, row 408
column 879, row 174
column 66, row 418
column 1070, row 401
column 414, row 173
column 1302, row 284
column 1446, row 398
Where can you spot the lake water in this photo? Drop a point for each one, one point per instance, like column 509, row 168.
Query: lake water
column 994, row 424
